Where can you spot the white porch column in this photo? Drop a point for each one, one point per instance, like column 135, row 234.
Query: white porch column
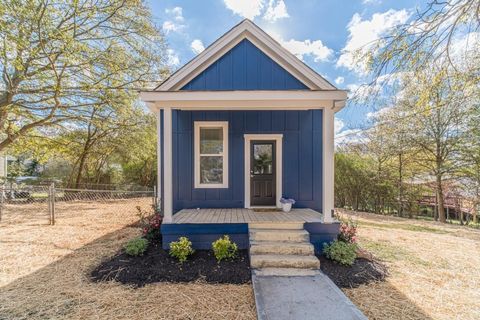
column 328, row 164
column 167, row 165
column 159, row 160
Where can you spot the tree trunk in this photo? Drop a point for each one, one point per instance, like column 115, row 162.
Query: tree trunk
column 400, row 185
column 81, row 165
column 476, row 208
column 441, row 203
column 458, row 206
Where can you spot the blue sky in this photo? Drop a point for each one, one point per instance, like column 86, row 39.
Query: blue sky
column 322, row 33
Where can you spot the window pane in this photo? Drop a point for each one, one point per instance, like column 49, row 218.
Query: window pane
column 211, row 140
column 211, row 169
column 262, row 158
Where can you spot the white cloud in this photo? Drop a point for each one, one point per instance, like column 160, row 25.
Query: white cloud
column 339, row 80
column 315, row 48
column 175, row 22
column 301, row 49
column 372, row 1
column 376, row 115
column 245, row 8
column 349, row 136
column 172, row 58
column 338, row 125
column 197, row 46
column 465, row 46
column 346, row 136
column 169, row 26
column 276, row 10
column 176, row 13
column 362, row 92
column 363, row 33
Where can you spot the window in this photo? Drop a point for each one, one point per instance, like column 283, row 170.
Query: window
column 211, row 154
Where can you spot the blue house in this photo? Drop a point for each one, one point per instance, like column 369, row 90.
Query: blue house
column 240, row 126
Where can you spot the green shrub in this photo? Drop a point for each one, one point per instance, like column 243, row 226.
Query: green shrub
column 181, row 249
column 224, row 249
column 341, row 252
column 136, row 247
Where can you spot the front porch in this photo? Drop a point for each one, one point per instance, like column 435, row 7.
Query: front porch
column 203, row 226
column 241, row 215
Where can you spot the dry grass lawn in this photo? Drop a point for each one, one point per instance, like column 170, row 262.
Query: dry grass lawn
column 44, row 270
column 434, row 269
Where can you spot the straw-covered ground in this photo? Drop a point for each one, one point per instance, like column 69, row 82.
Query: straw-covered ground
column 44, row 270
column 434, row 269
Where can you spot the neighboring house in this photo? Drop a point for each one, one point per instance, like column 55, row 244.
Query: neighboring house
column 459, row 196
column 241, row 125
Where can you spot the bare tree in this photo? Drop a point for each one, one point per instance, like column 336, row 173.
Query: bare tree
column 444, row 33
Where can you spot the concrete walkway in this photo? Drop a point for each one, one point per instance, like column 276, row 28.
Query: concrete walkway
column 301, row 297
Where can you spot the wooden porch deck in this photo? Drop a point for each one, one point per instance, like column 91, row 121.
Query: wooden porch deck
column 244, row 216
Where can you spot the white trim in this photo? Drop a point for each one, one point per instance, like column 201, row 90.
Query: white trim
column 250, row 107
column 279, row 164
column 245, row 100
column 159, row 160
column 328, row 165
column 167, row 165
column 242, row 95
column 246, row 30
column 209, row 124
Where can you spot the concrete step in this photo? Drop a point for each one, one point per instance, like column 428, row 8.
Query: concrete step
column 284, row 261
column 282, row 248
column 285, row 272
column 292, row 225
column 276, row 235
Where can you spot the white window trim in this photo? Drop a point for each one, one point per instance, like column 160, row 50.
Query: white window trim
column 206, row 124
column 278, row 138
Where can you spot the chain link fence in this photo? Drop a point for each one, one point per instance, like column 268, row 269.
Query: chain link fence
column 45, row 204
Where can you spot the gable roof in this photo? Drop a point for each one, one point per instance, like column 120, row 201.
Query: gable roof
column 244, row 67
column 246, row 30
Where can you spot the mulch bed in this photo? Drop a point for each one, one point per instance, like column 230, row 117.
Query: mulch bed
column 363, row 271
column 157, row 266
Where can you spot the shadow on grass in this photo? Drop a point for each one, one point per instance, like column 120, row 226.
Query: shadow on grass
column 366, row 284
column 63, row 289
column 47, row 287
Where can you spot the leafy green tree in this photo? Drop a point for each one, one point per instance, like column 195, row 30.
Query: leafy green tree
column 353, row 177
column 60, row 59
column 469, row 171
column 439, row 105
column 137, row 153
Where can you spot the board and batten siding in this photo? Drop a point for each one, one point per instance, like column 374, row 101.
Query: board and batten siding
column 244, row 67
column 302, row 156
